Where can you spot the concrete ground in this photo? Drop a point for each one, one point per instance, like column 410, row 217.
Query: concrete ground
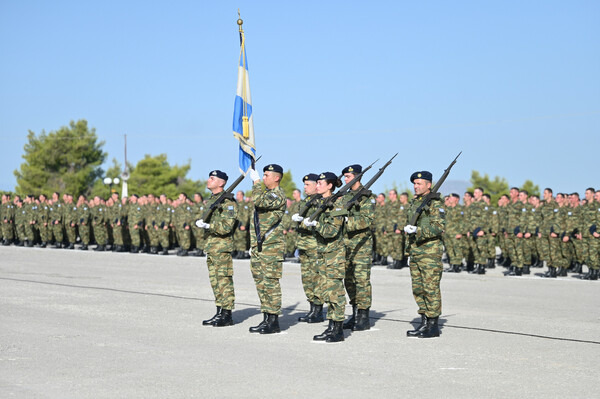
column 77, row 324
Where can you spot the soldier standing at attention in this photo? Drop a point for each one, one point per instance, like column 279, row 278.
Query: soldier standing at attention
column 331, row 257
column 307, row 248
column 266, row 260
column 136, row 223
column 425, row 251
column 358, row 240
column 218, row 232
column 83, row 220
column 241, row 232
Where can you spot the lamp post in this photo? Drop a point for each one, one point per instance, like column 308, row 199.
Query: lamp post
column 109, row 182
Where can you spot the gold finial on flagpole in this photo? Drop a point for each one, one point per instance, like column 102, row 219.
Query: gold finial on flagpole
column 240, row 21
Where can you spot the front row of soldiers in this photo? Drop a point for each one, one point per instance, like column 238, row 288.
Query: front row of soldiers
column 136, row 224
column 559, row 232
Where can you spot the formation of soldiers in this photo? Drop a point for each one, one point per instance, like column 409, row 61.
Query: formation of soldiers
column 559, row 232
column 146, row 224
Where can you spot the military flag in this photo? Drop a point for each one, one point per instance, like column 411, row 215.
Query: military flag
column 243, row 126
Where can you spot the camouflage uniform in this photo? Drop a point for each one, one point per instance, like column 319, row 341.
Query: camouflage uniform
column 454, row 227
column 99, row 218
column 135, row 220
column 267, row 265
column 358, row 240
column 291, row 228
column 21, row 218
column 83, row 220
column 479, row 221
column 307, row 249
column 218, row 247
column 45, row 224
column 379, row 230
column 331, row 259
column 8, row 221
column 70, row 222
column 556, row 224
column 593, row 226
column 182, row 221
column 241, row 237
column 425, row 250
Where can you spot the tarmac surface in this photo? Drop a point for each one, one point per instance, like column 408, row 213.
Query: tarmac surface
column 77, row 324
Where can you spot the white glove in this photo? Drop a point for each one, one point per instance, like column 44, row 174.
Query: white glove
column 254, row 175
column 310, row 223
column 410, row 229
column 296, row 217
column 200, row 224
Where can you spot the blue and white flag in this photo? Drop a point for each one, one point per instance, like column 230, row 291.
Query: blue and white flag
column 243, row 126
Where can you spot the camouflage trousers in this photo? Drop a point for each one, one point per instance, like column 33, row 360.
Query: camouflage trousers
column 100, row 234
column 594, row 253
column 71, row 231
column 45, row 233
column 8, row 230
column 84, row 233
column 163, row 237
column 152, row 236
column 557, row 258
column 358, row 273
column 220, row 274
column 378, row 242
column 480, row 249
column 332, row 271
column 397, row 245
column 57, row 230
column 267, row 269
column 426, row 274
column 240, row 240
column 134, row 231
column 20, row 231
column 310, row 276
column 117, row 234
column 453, row 249
column 579, row 250
column 491, row 246
column 290, row 241
column 184, row 238
column 543, row 248
column 468, row 248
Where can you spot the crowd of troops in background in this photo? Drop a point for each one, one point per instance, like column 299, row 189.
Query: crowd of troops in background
column 559, row 232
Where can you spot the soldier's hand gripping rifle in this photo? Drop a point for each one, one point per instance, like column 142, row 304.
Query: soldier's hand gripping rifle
column 433, row 194
column 225, row 194
column 331, row 199
column 364, row 190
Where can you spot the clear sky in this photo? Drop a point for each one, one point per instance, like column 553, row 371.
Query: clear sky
column 513, row 84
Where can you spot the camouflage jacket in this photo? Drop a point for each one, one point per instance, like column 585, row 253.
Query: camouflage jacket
column 430, row 227
column 269, row 205
column 306, row 237
column 219, row 237
column 360, row 218
column 329, row 232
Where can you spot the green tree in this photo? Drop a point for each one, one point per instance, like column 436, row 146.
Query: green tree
column 495, row 188
column 154, row 175
column 67, row 160
column 287, row 184
column 532, row 189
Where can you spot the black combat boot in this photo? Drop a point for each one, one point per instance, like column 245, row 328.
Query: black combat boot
column 234, row 254
column 474, row 269
column 511, row 271
column 384, row 261
column 419, row 329
column 71, row 246
column 134, row 249
column 337, row 332
column 153, row 250
column 307, row 316
column 323, row 336
column 362, row 320
column 561, row 272
column 224, row 319
column 552, row 272
column 376, row 259
column 99, row 248
column 470, row 266
column 83, row 247
column 260, row 325
column 592, row 274
column 491, row 263
column 349, row 324
column 183, row 252
column 431, row 329
column 317, row 316
column 165, row 251
column 210, row 321
column 272, row 325
column 526, row 269
column 577, row 268
column 518, row 271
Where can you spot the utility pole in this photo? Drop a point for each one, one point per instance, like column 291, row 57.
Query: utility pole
column 125, row 174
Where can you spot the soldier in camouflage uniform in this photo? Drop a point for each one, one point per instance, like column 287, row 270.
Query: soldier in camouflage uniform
column 453, row 233
column 8, row 220
column 307, row 248
column 21, row 219
column 266, row 260
column 199, row 238
column 182, row 220
column 379, row 236
column 425, row 250
column 218, row 235
column 358, row 240
column 135, row 221
column 242, row 232
column 99, row 219
column 545, row 211
column 592, row 226
column 478, row 230
column 331, row 259
column 290, row 226
column 83, row 222
column 56, row 215
column 163, row 222
column 45, row 225
column 393, row 229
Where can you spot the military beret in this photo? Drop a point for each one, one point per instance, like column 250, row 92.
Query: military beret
column 328, row 176
column 310, row 177
column 425, row 175
column 356, row 169
column 273, row 168
column 219, row 174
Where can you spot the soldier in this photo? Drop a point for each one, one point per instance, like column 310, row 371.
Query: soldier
column 307, row 248
column 593, row 227
column 393, row 229
column 267, row 245
column 468, row 244
column 83, row 221
column 8, row 220
column 182, row 219
column 45, row 225
column 291, row 227
column 453, row 233
column 163, row 222
column 241, row 235
column 331, row 259
column 494, row 228
column 358, row 240
column 218, row 232
column 478, row 230
column 379, row 224
column 425, row 250
column 135, row 221
column 21, row 218
column 197, row 234
column 70, row 221
column 99, row 218
column 545, row 211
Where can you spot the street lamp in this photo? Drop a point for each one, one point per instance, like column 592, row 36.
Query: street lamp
column 109, row 182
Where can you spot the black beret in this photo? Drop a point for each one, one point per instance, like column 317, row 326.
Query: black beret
column 310, row 177
column 273, row 168
column 425, row 175
column 328, row 176
column 219, row 174
column 356, row 169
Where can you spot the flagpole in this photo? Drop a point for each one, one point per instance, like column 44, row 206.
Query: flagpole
column 245, row 123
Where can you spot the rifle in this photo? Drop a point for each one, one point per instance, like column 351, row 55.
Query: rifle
column 331, row 199
column 225, row 194
column 433, row 194
column 364, row 190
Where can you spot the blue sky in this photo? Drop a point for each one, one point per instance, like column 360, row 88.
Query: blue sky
column 512, row 84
